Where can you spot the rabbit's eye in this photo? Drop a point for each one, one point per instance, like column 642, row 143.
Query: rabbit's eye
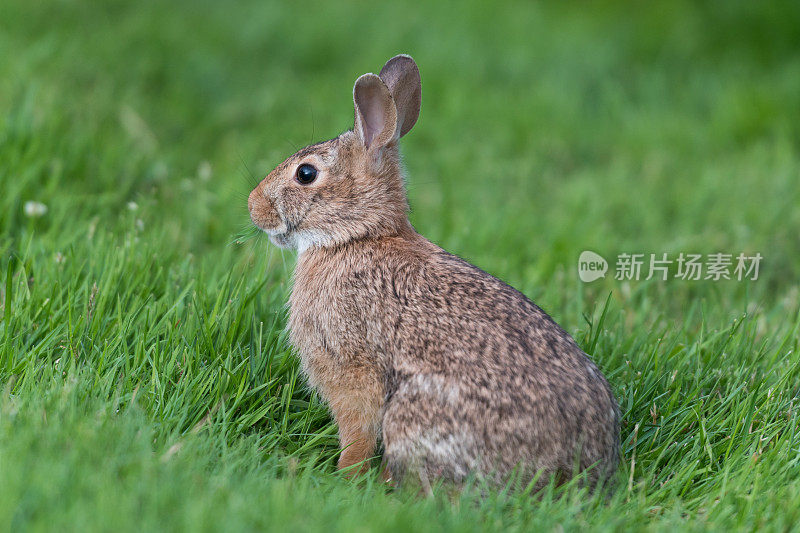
column 306, row 174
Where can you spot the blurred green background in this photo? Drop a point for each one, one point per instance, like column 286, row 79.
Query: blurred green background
column 546, row 129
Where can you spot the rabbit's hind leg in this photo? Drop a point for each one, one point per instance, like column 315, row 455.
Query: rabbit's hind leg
column 424, row 436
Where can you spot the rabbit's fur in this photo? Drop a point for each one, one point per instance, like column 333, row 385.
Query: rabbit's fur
column 458, row 372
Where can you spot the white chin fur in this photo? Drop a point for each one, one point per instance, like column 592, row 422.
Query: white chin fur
column 306, row 239
column 300, row 240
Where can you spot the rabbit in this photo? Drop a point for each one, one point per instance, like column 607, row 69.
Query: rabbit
column 458, row 373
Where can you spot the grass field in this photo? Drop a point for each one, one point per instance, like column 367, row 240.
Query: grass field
column 146, row 382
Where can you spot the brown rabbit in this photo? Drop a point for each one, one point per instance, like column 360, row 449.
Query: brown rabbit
column 460, row 372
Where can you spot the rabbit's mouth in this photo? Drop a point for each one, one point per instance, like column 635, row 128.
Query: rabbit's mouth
column 289, row 234
column 283, row 235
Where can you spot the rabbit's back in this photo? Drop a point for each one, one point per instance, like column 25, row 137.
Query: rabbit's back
column 484, row 380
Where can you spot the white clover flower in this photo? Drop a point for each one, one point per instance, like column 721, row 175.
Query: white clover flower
column 204, row 171
column 35, row 209
column 133, row 206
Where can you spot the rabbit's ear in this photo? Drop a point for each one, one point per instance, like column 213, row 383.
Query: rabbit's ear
column 401, row 76
column 376, row 115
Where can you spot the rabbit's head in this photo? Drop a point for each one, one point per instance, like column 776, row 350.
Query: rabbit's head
column 349, row 187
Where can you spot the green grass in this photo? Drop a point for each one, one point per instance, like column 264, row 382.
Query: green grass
column 146, row 381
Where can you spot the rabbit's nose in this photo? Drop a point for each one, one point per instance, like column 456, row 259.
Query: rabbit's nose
column 251, row 199
column 256, row 197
